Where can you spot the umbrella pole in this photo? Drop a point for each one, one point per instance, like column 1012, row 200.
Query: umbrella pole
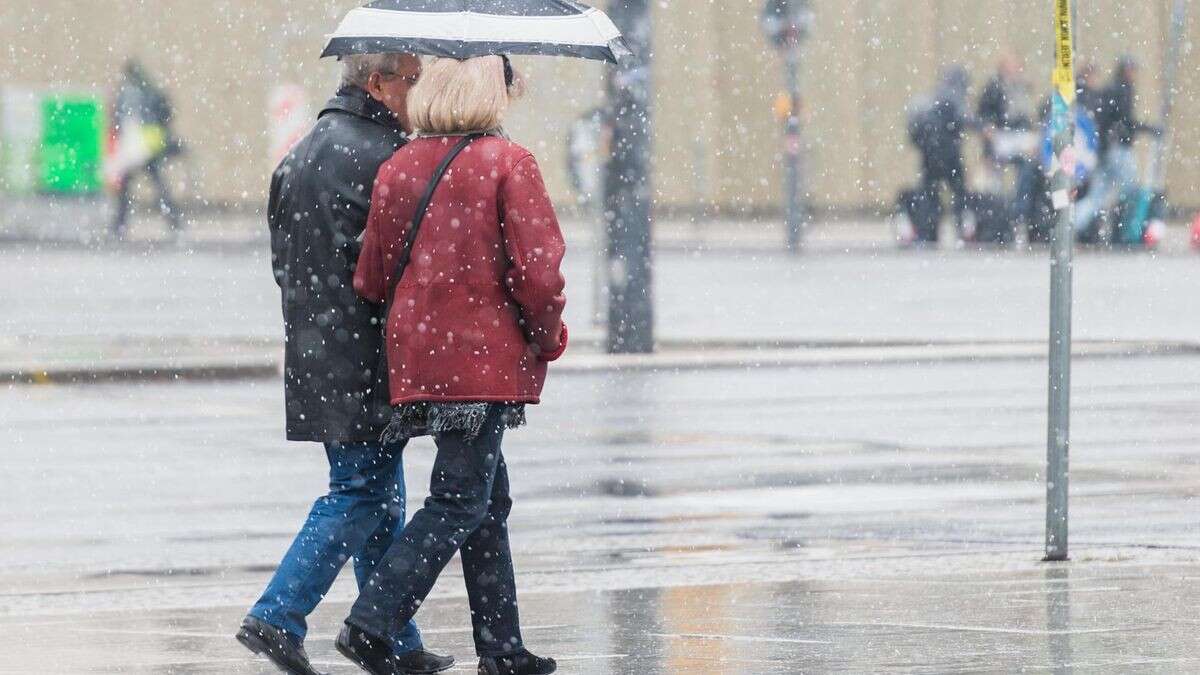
column 628, row 191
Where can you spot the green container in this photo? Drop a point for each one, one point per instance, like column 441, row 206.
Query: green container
column 72, row 148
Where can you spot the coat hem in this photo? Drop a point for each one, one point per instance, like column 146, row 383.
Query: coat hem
column 466, row 398
column 304, row 436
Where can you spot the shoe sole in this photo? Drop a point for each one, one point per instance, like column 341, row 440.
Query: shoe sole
column 484, row 670
column 428, row 672
column 353, row 658
column 260, row 647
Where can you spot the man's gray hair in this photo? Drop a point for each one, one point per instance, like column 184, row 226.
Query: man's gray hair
column 357, row 68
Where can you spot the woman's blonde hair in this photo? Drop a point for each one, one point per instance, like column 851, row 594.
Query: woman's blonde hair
column 454, row 97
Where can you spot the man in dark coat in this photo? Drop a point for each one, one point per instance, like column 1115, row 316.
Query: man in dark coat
column 335, row 377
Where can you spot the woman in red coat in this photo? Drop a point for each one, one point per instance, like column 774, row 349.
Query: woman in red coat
column 474, row 320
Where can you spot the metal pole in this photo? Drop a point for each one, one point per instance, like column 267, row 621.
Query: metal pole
column 628, row 193
column 1162, row 146
column 1059, row 436
column 792, row 148
column 600, row 274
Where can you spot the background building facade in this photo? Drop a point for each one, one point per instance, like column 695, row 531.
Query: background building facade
column 717, row 141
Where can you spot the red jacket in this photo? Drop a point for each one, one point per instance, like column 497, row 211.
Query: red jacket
column 478, row 313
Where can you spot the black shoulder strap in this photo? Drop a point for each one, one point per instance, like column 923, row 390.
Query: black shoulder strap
column 422, row 208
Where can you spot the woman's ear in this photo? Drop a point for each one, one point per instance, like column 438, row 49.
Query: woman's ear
column 514, row 80
column 510, row 77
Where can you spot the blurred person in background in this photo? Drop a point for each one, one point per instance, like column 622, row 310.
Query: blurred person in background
column 141, row 141
column 1005, row 106
column 334, row 369
column 1006, row 113
column 1118, row 127
column 476, row 301
column 938, row 129
column 1088, row 93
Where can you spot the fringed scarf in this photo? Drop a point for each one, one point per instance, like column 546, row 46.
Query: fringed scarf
column 427, row 418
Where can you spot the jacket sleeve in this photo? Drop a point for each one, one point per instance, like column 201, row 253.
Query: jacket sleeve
column 370, row 275
column 276, row 221
column 535, row 248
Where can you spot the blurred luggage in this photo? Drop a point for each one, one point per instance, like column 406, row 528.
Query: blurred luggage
column 923, row 124
column 1138, row 218
column 919, row 213
column 1041, row 216
column 992, row 217
column 1009, row 146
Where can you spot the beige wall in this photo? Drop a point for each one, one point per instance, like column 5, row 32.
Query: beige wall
column 717, row 142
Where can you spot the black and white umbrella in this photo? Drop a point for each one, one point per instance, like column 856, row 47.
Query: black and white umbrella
column 468, row 28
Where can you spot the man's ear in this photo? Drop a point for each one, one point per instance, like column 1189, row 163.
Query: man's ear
column 373, row 87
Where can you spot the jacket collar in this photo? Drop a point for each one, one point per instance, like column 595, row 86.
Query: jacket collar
column 356, row 101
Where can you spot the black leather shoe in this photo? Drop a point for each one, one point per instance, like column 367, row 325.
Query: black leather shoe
column 266, row 640
column 421, row 662
column 371, row 653
column 517, row 663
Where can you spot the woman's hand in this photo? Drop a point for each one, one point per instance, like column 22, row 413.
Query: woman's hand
column 557, row 353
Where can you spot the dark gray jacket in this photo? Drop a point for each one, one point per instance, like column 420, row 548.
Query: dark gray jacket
column 335, row 384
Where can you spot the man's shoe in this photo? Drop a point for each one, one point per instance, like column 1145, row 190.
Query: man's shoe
column 267, row 640
column 368, row 652
column 421, row 662
column 517, row 663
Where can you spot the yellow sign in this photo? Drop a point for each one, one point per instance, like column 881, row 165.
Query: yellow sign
column 1064, row 51
column 783, row 107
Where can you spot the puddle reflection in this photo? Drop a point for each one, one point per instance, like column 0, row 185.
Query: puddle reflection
column 1058, row 618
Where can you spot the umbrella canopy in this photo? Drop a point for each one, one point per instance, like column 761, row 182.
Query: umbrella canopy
column 468, row 28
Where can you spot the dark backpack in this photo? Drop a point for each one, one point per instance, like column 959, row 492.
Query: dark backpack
column 923, row 125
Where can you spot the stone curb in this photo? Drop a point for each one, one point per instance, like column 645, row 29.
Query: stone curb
column 673, row 356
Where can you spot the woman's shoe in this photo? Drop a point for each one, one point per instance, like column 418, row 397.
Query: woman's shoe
column 422, row 662
column 368, row 652
column 517, row 663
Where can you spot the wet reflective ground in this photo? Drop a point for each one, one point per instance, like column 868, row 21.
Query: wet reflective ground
column 853, row 519
column 1117, row 620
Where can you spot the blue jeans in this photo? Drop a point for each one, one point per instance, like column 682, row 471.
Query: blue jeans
column 361, row 516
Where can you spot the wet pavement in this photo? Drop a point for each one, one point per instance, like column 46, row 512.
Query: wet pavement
column 871, row 296
column 874, row 518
